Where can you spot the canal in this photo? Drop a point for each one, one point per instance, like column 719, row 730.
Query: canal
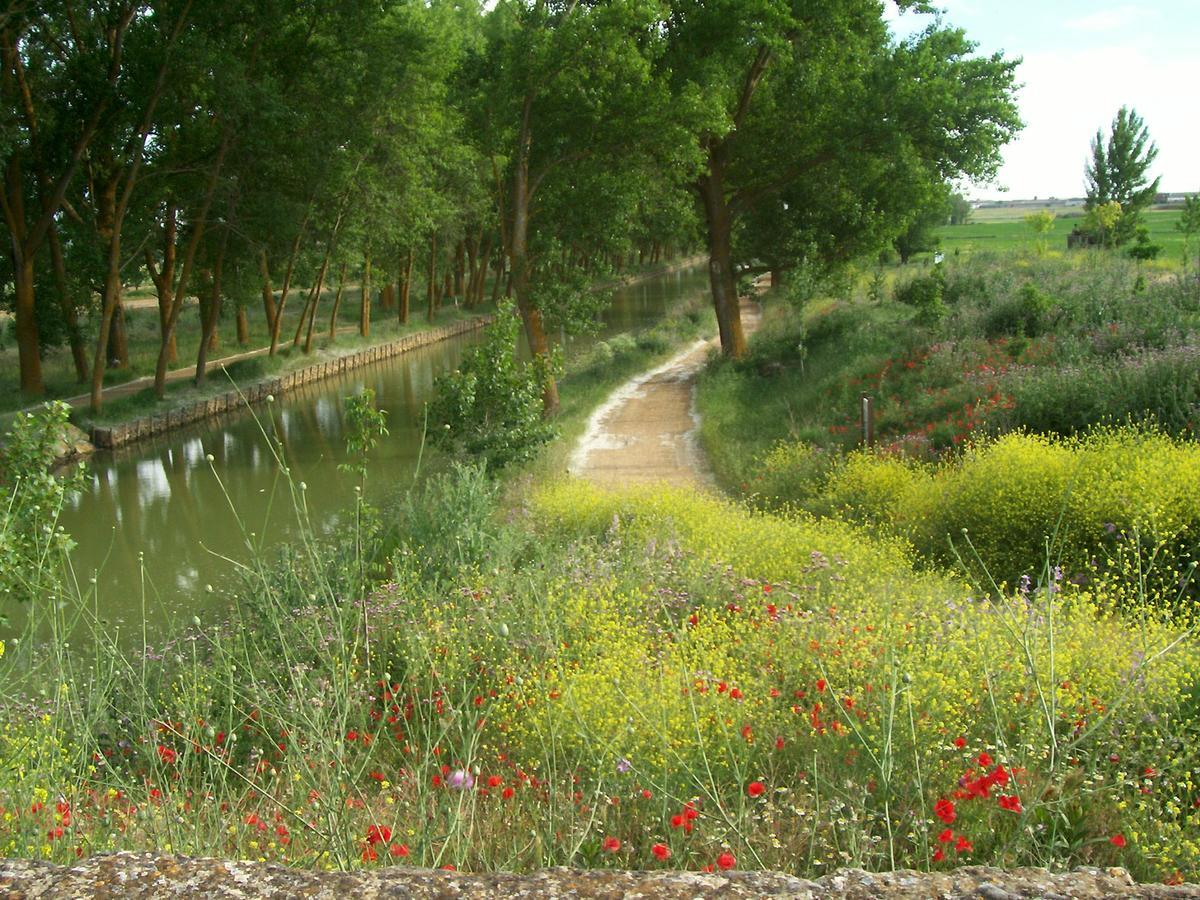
column 158, row 525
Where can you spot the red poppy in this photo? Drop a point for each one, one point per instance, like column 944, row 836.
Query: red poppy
column 369, row 854
column 960, row 742
column 755, row 788
column 398, row 850
column 612, row 844
column 662, row 851
column 167, row 755
column 507, row 793
column 646, row 794
column 379, row 834
column 962, row 845
column 944, row 810
column 1012, row 804
column 1118, row 840
column 821, row 685
column 938, row 855
column 946, row 836
column 726, row 860
column 494, row 781
column 985, row 759
column 677, row 821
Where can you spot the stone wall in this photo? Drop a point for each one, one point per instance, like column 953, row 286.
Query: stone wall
column 148, row 875
column 109, row 437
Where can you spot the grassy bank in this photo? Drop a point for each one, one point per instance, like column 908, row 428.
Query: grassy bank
column 649, row 679
column 985, row 345
column 512, row 675
column 1004, row 231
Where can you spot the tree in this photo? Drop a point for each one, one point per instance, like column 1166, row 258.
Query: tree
column 564, row 100
column 59, row 69
column 1040, row 223
column 1189, row 222
column 960, row 209
column 1118, row 172
column 819, row 134
column 1103, row 220
column 919, row 236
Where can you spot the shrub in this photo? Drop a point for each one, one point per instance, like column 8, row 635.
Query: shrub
column 925, row 294
column 491, row 406
column 32, row 496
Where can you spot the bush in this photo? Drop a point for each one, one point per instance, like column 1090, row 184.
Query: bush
column 32, row 496
column 447, row 527
column 925, row 294
column 491, row 406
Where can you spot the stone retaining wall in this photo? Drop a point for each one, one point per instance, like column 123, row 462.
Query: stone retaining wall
column 109, row 437
column 150, row 875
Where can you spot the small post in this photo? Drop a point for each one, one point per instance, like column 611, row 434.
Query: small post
column 867, row 416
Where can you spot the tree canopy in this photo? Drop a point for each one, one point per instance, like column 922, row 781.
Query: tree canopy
column 246, row 153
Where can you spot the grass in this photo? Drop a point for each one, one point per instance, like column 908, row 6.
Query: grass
column 509, row 677
column 643, row 679
column 999, row 234
column 143, row 334
column 247, row 371
column 1055, row 344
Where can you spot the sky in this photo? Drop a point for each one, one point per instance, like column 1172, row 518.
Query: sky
column 1083, row 60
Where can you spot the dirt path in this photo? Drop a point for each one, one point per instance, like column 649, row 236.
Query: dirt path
column 648, row 429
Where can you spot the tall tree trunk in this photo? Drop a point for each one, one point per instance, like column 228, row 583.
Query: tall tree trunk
column 531, row 316
column 485, row 259
column 164, row 282
column 316, row 302
column 25, row 328
column 69, row 313
column 720, row 258
column 472, row 250
column 429, row 296
column 214, row 311
column 243, row 326
column 459, row 268
column 118, row 336
column 404, row 285
column 277, row 321
column 189, row 259
column 268, row 294
column 337, row 302
column 501, row 268
column 310, row 307
column 364, row 309
column 110, row 235
column 447, row 290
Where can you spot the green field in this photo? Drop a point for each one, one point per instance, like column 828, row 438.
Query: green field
column 1005, row 229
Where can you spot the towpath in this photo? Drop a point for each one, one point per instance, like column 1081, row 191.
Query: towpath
column 648, row 429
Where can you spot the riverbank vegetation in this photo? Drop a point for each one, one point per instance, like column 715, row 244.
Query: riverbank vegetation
column 639, row 679
column 974, row 643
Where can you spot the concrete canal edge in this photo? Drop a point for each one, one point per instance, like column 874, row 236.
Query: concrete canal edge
column 109, row 437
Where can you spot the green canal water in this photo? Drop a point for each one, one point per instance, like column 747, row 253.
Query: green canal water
column 158, row 525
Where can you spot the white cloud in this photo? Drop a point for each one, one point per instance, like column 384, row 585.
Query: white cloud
column 1109, row 19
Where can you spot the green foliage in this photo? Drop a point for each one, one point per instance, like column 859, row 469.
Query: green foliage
column 447, row 527
column 365, row 425
column 31, row 541
column 1028, row 314
column 925, row 293
column 1104, row 221
column 491, row 407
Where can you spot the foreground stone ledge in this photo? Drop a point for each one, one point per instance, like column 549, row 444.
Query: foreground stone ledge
column 148, row 875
